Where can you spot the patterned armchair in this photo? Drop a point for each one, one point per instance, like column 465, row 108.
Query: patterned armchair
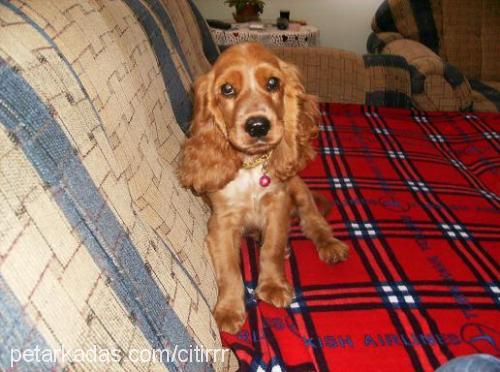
column 99, row 244
column 452, row 47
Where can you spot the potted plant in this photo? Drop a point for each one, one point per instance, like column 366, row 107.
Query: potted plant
column 246, row 10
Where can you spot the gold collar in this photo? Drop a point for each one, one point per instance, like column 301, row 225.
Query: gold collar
column 252, row 163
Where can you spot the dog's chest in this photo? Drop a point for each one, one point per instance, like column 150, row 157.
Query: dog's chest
column 245, row 192
column 246, row 187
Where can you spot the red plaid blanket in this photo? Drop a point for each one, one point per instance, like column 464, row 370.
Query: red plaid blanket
column 416, row 197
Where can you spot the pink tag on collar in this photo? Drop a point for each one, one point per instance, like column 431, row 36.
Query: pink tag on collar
column 264, row 180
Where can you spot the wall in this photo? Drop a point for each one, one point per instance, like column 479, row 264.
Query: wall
column 343, row 24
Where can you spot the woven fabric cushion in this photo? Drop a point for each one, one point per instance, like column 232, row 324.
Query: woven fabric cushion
column 486, row 95
column 464, row 33
column 471, row 37
column 342, row 76
column 490, row 40
column 99, row 245
column 419, row 20
column 195, row 40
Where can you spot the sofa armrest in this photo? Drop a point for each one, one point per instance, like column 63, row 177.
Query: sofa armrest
column 378, row 40
column 388, row 80
column 329, row 73
column 435, row 84
column 336, row 75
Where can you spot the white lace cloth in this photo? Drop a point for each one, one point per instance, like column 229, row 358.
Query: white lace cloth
column 295, row 36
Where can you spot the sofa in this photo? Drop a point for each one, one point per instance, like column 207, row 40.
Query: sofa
column 99, row 244
column 451, row 46
column 102, row 253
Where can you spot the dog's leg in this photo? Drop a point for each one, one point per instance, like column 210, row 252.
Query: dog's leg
column 273, row 286
column 223, row 240
column 314, row 225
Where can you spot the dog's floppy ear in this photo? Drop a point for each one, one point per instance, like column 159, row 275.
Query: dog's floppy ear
column 301, row 117
column 208, row 161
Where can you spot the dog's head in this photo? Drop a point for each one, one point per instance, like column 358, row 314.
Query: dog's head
column 249, row 104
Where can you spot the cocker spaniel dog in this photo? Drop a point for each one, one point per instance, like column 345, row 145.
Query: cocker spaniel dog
column 251, row 134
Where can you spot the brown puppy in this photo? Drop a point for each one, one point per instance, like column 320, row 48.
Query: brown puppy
column 251, row 135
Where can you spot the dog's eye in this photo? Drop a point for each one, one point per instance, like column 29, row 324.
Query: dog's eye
column 273, row 84
column 227, row 90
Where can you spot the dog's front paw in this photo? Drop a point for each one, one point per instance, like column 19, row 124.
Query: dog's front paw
column 229, row 320
column 334, row 251
column 279, row 294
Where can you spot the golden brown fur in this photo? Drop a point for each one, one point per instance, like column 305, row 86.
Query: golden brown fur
column 241, row 86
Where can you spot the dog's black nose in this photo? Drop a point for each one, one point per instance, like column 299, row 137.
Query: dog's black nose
column 257, row 126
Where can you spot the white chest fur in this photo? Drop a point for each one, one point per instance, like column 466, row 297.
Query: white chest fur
column 245, row 193
column 246, row 186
